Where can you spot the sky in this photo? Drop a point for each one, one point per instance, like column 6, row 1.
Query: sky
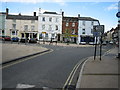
column 105, row 11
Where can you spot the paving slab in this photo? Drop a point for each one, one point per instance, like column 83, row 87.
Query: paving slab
column 13, row 51
column 101, row 74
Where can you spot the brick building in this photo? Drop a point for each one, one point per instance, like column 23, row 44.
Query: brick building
column 70, row 29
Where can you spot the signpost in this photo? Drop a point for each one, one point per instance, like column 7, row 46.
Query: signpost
column 118, row 15
column 98, row 31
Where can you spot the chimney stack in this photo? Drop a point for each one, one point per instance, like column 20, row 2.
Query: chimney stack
column 34, row 13
column 62, row 13
column 78, row 15
column 7, row 11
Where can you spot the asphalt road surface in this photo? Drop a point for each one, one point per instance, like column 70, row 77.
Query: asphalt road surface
column 48, row 70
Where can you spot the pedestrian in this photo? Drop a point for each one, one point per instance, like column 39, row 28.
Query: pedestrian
column 50, row 41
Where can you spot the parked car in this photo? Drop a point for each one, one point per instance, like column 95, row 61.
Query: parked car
column 33, row 40
column 104, row 43
column 23, row 40
column 7, row 38
column 111, row 42
column 2, row 37
column 15, row 39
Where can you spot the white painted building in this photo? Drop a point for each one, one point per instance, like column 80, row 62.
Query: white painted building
column 49, row 25
column 85, row 30
column 22, row 26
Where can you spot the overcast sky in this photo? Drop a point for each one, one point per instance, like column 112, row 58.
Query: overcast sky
column 103, row 10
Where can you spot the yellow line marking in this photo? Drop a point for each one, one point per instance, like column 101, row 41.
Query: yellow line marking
column 73, row 71
column 69, row 76
column 19, row 61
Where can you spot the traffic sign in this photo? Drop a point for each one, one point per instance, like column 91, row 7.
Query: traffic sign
column 118, row 15
column 98, row 28
column 96, row 34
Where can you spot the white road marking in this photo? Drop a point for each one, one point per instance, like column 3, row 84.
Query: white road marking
column 25, row 86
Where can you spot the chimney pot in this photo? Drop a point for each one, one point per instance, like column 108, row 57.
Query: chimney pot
column 7, row 11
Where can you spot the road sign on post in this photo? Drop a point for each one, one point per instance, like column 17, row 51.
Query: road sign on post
column 98, row 31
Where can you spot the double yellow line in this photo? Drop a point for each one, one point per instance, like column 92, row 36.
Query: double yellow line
column 28, row 58
column 72, row 74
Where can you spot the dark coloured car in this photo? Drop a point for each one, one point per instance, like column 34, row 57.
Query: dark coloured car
column 15, row 39
column 7, row 38
column 2, row 37
column 23, row 40
column 33, row 40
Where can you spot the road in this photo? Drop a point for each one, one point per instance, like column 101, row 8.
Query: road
column 48, row 70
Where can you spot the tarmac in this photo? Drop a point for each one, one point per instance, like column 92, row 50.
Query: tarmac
column 11, row 52
column 100, row 74
column 94, row 73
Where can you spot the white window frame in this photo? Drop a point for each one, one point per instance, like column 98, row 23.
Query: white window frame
column 32, row 27
column 43, row 27
column 26, row 27
column 67, row 24
column 83, row 23
column 73, row 24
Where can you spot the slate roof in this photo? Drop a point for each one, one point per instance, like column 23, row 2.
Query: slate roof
column 46, row 12
column 70, row 18
column 22, row 17
column 87, row 18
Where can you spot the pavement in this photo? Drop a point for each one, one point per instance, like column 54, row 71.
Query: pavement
column 12, row 52
column 100, row 74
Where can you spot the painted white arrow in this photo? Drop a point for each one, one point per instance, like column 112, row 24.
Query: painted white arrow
column 25, row 86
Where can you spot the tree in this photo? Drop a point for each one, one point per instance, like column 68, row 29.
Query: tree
column 67, row 35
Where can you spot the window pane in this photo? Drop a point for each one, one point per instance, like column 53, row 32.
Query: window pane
column 56, row 27
column 83, row 23
column 56, row 19
column 14, row 26
column 26, row 27
column 32, row 28
column 67, row 24
column 43, row 27
column 32, row 21
column 73, row 24
column 13, row 32
column 43, row 19
column 50, row 27
column 50, row 19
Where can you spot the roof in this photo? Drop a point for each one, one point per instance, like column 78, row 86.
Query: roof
column 70, row 18
column 22, row 17
column 46, row 12
column 87, row 18
column 2, row 12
